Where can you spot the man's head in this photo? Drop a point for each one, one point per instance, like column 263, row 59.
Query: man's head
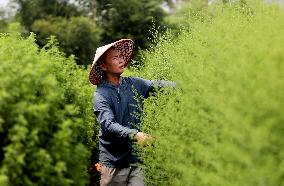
column 112, row 62
column 111, row 58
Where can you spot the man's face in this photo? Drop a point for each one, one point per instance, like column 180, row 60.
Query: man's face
column 114, row 63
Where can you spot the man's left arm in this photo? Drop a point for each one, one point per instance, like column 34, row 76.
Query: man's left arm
column 146, row 87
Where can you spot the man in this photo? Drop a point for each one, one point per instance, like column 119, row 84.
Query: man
column 117, row 105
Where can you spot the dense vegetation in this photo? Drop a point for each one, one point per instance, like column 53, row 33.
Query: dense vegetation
column 46, row 119
column 224, row 126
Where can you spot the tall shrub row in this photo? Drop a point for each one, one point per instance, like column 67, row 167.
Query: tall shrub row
column 46, row 120
column 224, row 124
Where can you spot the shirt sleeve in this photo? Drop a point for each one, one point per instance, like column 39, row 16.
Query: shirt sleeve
column 147, row 86
column 105, row 117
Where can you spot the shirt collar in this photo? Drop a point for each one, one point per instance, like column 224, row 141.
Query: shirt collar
column 106, row 83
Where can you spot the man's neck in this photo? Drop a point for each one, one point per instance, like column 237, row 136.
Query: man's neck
column 115, row 80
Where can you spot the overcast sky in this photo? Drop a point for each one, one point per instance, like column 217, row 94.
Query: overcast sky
column 3, row 3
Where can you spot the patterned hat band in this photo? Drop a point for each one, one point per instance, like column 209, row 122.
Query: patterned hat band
column 124, row 46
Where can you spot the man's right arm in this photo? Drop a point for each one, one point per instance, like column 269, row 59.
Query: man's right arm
column 106, row 119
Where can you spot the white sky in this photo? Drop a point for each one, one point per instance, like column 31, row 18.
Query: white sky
column 3, row 3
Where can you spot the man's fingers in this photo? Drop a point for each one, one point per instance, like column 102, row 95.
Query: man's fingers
column 143, row 138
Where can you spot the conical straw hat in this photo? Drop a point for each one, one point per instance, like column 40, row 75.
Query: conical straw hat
column 125, row 46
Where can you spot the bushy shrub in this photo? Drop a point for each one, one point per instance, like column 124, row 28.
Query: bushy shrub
column 224, row 126
column 46, row 119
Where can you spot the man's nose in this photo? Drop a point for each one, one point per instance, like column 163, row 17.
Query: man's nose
column 121, row 60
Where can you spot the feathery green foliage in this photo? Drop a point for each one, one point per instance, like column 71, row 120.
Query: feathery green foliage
column 46, row 119
column 224, row 126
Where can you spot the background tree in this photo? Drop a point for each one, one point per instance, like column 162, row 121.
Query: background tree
column 68, row 20
column 76, row 35
column 31, row 10
column 131, row 19
column 81, row 36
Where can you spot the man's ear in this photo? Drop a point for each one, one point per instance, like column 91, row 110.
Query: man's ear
column 103, row 66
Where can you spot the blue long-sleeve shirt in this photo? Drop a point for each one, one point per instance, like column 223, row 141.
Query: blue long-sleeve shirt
column 118, row 109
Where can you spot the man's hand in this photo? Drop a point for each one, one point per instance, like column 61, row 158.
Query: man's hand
column 142, row 138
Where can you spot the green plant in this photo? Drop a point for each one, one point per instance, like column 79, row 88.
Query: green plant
column 224, row 126
column 46, row 120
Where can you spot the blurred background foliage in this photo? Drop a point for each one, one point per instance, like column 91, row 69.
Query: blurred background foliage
column 131, row 19
column 82, row 25
column 77, row 35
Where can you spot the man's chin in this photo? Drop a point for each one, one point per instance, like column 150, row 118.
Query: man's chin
column 119, row 73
